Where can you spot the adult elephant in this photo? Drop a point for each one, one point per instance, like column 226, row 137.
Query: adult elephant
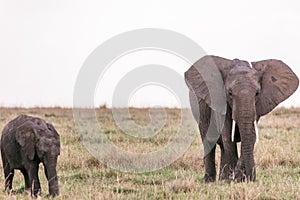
column 26, row 142
column 249, row 91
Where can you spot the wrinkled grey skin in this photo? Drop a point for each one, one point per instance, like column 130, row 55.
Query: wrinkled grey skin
column 26, row 142
column 251, row 91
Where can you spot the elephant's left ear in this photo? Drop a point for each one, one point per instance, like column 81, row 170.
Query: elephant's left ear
column 278, row 82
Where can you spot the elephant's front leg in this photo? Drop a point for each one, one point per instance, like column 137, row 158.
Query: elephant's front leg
column 210, row 166
column 229, row 159
column 34, row 180
column 239, row 173
column 27, row 181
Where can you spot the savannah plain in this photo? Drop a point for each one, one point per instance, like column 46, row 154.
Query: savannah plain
column 81, row 176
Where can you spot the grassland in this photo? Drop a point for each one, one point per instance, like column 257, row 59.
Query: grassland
column 81, row 176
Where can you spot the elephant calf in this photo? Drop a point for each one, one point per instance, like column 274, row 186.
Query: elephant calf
column 26, row 142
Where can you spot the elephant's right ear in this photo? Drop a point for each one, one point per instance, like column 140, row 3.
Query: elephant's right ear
column 205, row 81
column 25, row 136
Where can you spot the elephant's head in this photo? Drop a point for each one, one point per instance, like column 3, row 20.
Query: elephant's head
column 40, row 141
column 251, row 91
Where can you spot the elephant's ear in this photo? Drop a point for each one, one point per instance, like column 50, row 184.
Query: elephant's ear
column 205, row 81
column 25, row 136
column 55, row 138
column 278, row 82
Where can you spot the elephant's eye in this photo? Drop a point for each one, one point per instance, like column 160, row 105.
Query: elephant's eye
column 230, row 93
column 257, row 93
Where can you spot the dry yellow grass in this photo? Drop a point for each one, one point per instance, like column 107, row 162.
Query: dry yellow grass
column 82, row 176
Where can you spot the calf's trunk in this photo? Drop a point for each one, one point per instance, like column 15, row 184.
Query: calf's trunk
column 51, row 174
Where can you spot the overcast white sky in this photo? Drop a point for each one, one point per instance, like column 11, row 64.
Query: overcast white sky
column 43, row 44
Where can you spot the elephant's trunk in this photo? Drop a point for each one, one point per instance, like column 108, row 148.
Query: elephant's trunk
column 234, row 126
column 247, row 146
column 51, row 174
column 244, row 113
column 246, row 123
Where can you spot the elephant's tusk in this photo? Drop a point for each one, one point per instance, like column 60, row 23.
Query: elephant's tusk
column 256, row 130
column 233, row 130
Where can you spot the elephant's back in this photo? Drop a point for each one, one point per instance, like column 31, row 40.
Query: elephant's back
column 13, row 124
column 11, row 127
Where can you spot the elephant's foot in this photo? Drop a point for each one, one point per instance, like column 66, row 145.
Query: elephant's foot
column 243, row 174
column 226, row 173
column 8, row 187
column 27, row 191
column 37, row 192
column 239, row 172
column 209, row 178
column 226, row 177
column 239, row 175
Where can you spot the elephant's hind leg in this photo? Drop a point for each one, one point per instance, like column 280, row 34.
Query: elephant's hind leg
column 9, row 175
column 8, row 172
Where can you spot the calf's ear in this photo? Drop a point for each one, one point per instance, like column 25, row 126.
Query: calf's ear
column 25, row 136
